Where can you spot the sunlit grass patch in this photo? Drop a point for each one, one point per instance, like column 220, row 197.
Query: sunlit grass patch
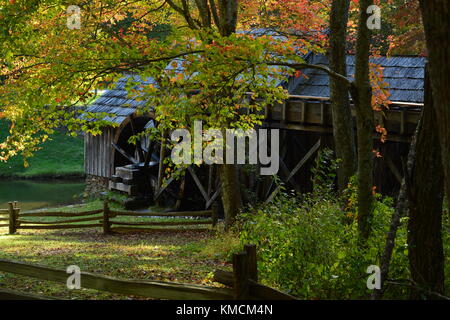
column 165, row 256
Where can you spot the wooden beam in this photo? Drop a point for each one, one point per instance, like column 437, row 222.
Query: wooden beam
column 160, row 214
column 20, row 222
column 199, row 184
column 168, row 223
column 213, row 198
column 322, row 113
column 138, row 144
column 125, row 154
column 162, row 156
column 303, row 111
column 319, row 129
column 7, row 294
column 66, row 226
column 297, row 167
column 283, row 112
column 403, row 122
column 181, row 192
column 210, row 179
column 256, row 290
column 152, row 289
column 12, row 218
column 285, row 170
column 153, row 230
column 240, row 276
column 163, row 187
column 393, row 168
column 250, row 249
column 60, row 214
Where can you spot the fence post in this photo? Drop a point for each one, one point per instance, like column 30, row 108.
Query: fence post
column 16, row 214
column 240, row 276
column 250, row 249
column 106, row 223
column 12, row 218
column 215, row 213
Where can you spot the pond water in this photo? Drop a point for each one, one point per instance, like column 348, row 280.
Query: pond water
column 39, row 194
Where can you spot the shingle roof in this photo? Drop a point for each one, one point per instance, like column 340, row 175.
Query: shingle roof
column 118, row 102
column 405, row 76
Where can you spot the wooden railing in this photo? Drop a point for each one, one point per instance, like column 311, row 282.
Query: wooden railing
column 110, row 225
column 4, row 218
column 150, row 289
column 10, row 216
column 102, row 218
column 242, row 282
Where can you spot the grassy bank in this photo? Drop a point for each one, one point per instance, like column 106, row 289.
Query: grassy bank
column 61, row 156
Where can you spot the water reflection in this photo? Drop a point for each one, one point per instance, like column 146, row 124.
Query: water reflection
column 39, row 194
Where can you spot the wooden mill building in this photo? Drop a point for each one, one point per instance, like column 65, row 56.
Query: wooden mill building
column 305, row 120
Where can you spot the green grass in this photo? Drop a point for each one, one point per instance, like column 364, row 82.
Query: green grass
column 184, row 256
column 60, row 156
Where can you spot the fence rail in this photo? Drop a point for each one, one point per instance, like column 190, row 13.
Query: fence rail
column 150, row 289
column 242, row 282
column 104, row 218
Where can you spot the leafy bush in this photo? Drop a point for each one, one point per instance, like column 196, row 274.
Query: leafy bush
column 308, row 244
column 309, row 248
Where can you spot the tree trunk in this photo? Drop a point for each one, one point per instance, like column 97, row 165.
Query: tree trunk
column 362, row 96
column 435, row 16
column 224, row 13
column 228, row 16
column 426, row 255
column 343, row 134
column 401, row 210
column 231, row 196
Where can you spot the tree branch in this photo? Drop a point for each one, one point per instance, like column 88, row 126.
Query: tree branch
column 184, row 11
column 300, row 66
column 205, row 13
column 215, row 13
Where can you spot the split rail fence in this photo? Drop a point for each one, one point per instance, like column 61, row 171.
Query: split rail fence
column 242, row 283
column 104, row 218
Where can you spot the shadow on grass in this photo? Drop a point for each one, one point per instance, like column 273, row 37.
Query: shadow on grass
column 166, row 256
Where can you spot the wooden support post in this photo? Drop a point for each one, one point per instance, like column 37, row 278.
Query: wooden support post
column 267, row 113
column 162, row 156
column 199, row 184
column 16, row 214
column 215, row 213
column 322, row 113
column 210, row 179
column 402, row 122
column 294, row 171
column 180, row 193
column 106, row 223
column 303, row 112
column 283, row 112
column 240, row 276
column 12, row 218
column 213, row 197
column 250, row 249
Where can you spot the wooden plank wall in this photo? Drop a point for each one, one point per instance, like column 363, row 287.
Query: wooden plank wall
column 316, row 116
column 98, row 154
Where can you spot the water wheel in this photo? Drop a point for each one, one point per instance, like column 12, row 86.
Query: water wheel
column 140, row 172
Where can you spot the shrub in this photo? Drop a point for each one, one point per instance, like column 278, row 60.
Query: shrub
column 308, row 247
